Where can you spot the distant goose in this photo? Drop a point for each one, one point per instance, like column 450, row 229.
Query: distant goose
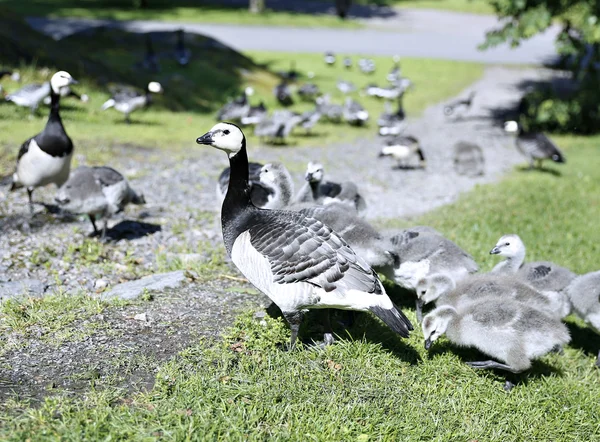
column 127, row 100
column 405, row 149
column 354, row 113
column 366, row 65
column 330, row 111
column 444, row 289
column 317, row 190
column 348, row 63
column 237, row 108
column 291, row 74
column 98, row 192
column 395, row 73
column 283, row 93
column 260, row 192
column 30, row 95
column 150, row 61
column 392, row 122
column 508, row 331
column 535, row 146
column 329, row 58
column 46, row 157
column 297, row 261
column 345, row 87
column 182, row 54
column 14, row 75
column 310, row 118
column 277, row 127
column 255, row 115
column 584, row 295
column 462, row 104
column 468, row 159
column 542, row 275
column 309, row 91
column 422, row 252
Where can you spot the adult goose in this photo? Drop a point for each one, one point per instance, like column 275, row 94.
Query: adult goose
column 46, row 157
column 30, row 95
column 535, row 146
column 297, row 261
column 127, row 100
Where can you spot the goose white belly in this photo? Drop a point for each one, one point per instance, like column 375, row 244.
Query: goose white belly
column 299, row 295
column 37, row 168
column 131, row 105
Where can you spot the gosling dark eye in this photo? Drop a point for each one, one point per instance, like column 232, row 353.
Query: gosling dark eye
column 226, row 132
column 507, row 244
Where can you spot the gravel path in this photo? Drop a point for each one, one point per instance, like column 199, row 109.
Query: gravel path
column 179, row 223
column 406, row 32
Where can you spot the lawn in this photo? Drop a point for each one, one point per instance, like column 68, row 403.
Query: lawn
column 469, row 6
column 197, row 92
column 372, row 385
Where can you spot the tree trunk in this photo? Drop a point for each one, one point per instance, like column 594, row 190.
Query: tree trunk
column 342, row 7
column 256, row 6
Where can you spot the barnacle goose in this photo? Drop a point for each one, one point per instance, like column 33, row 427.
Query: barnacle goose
column 348, row 63
column 345, row 87
column 46, row 157
column 255, row 115
column 354, row 113
column 506, row 330
column 404, row 149
column 366, row 65
column 150, row 61
column 392, row 122
column 182, row 54
column 332, row 112
column 30, row 95
column 98, row 192
column 297, row 261
column 395, row 73
column 127, row 100
column 329, row 58
column 308, row 91
column 544, row 276
column 278, row 127
column 584, row 295
column 462, row 104
column 238, row 108
column 283, row 93
column 535, row 146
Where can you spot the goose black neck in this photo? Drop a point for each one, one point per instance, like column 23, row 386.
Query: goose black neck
column 54, row 107
column 314, row 187
column 237, row 201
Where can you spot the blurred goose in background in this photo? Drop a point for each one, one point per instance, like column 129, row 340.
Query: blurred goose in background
column 332, row 112
column 468, row 159
column 584, row 294
column 127, row 100
column 329, row 58
column 255, row 115
column 366, row 65
column 508, row 331
column 283, row 93
column 310, row 118
column 348, row 63
column 345, row 87
column 278, row 127
column 461, row 105
column 392, row 122
column 98, row 192
column 354, row 113
column 292, row 74
column 309, row 91
column 406, row 150
column 260, row 193
column 46, row 158
column 535, row 146
column 544, row 276
column 182, row 54
column 238, row 108
column 395, row 73
column 30, row 95
column 150, row 61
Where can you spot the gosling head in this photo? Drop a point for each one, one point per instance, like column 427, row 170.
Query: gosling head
column 61, row 80
column 314, row 172
column 224, row 136
column 270, row 172
column 155, row 87
column 509, row 246
column 436, row 323
column 432, row 287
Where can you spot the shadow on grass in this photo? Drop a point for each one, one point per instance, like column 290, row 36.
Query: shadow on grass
column 584, row 338
column 542, row 169
column 132, row 230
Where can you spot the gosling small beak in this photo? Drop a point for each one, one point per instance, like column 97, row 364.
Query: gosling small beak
column 495, row 251
column 308, row 176
column 427, row 344
column 73, row 81
column 205, row 139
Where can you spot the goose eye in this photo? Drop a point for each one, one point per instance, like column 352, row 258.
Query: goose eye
column 507, row 244
column 226, row 132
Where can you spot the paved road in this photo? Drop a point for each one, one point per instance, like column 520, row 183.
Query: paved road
column 408, row 33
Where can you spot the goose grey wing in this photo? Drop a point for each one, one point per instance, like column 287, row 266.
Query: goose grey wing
column 29, row 89
column 494, row 313
column 123, row 93
column 303, row 249
column 107, row 176
column 546, row 275
column 538, row 145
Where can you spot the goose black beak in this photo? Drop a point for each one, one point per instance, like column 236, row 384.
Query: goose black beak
column 73, row 81
column 494, row 251
column 427, row 344
column 205, row 139
column 308, row 177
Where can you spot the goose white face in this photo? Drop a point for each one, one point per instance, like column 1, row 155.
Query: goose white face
column 511, row 127
column 314, row 172
column 508, row 245
column 155, row 87
column 249, row 91
column 436, row 323
column 60, row 80
column 224, row 136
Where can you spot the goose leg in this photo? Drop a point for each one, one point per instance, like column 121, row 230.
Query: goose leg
column 491, row 364
column 508, row 385
column 328, row 338
column 29, row 195
column 294, row 319
column 127, row 120
column 93, row 220
column 104, row 228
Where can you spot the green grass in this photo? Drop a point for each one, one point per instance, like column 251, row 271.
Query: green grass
column 372, row 385
column 96, row 133
column 469, row 6
column 187, row 11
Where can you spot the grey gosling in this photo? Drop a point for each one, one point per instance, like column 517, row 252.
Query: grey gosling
column 468, row 159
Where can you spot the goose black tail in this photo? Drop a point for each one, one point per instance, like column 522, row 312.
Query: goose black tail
column 394, row 319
